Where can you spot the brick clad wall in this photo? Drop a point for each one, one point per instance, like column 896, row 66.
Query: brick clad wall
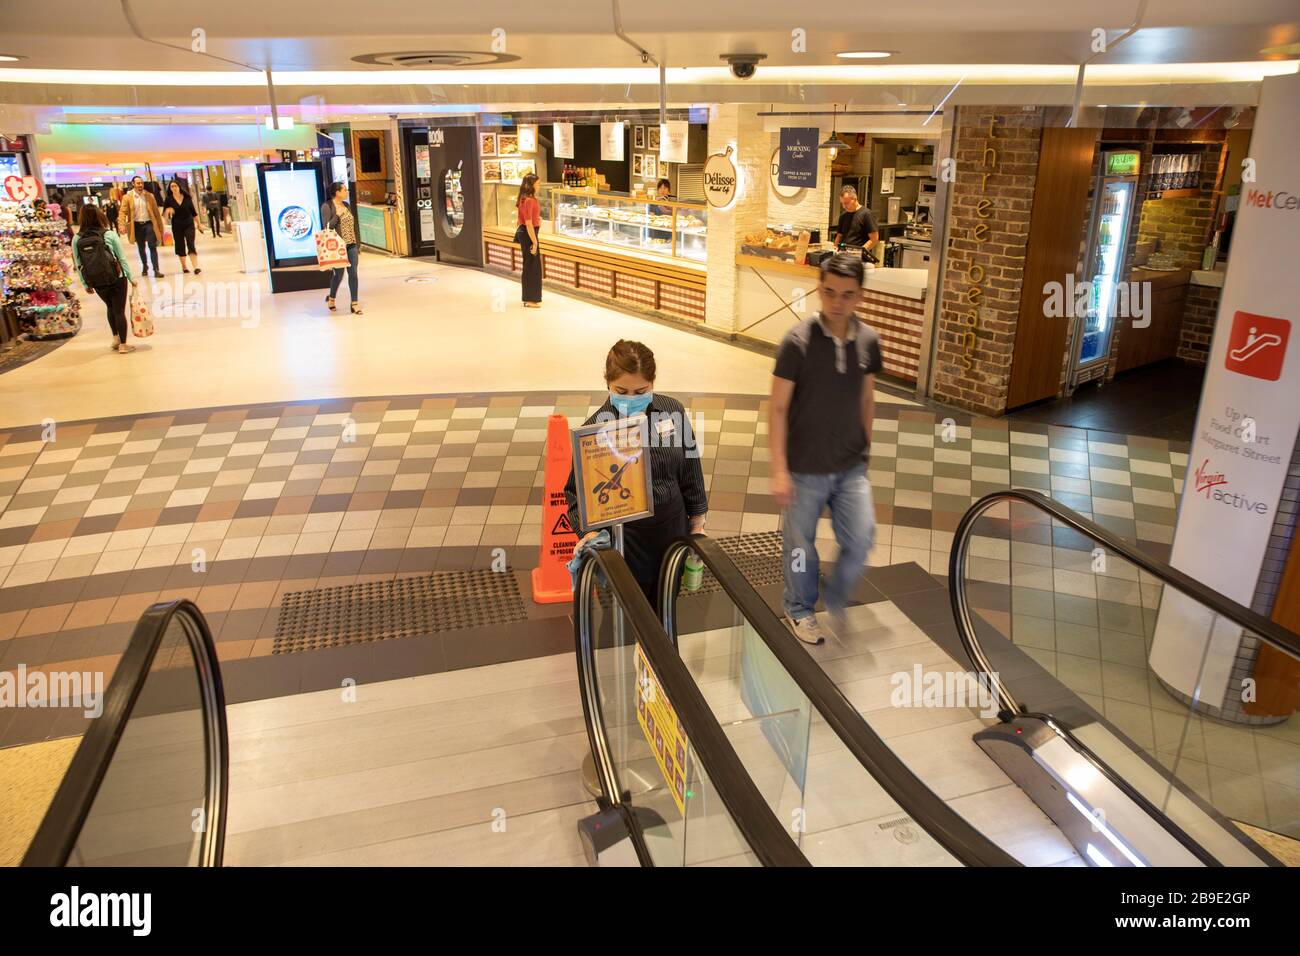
column 1198, row 323
column 1017, row 137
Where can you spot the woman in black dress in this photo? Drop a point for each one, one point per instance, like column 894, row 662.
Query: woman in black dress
column 181, row 213
column 680, row 501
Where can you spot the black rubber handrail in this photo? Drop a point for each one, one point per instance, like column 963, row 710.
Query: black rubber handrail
column 770, row 843
column 1268, row 631
column 61, row 827
column 948, row 828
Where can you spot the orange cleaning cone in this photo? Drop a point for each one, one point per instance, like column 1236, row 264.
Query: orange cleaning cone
column 551, row 581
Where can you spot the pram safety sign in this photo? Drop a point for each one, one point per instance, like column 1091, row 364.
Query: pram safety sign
column 612, row 470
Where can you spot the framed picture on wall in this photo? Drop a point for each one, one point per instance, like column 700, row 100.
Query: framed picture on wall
column 524, row 167
column 507, row 144
column 638, row 137
column 637, row 165
column 491, row 170
column 648, row 169
column 652, row 138
column 508, row 174
column 487, row 144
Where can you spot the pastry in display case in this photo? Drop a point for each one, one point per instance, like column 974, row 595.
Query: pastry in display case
column 664, row 227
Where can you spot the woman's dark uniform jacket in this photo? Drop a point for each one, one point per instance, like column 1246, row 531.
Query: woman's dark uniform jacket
column 679, row 493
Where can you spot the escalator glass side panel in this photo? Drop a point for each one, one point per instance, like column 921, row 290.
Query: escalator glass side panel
column 819, row 788
column 1174, row 697
column 648, row 720
column 148, row 783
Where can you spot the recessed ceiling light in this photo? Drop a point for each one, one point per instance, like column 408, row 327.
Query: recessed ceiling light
column 9, row 58
column 865, row 54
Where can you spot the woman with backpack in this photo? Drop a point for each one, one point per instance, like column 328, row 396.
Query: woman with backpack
column 101, row 264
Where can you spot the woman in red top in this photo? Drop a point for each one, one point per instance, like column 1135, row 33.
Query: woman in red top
column 530, row 220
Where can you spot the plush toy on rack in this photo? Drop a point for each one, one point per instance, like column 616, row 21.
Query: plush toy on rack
column 36, row 267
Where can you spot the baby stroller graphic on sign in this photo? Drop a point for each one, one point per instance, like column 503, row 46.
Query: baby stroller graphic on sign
column 615, row 482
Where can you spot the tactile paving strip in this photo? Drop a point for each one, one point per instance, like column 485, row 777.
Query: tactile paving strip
column 758, row 556
column 401, row 607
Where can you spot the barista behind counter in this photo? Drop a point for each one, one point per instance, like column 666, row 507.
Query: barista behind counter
column 663, row 191
column 857, row 227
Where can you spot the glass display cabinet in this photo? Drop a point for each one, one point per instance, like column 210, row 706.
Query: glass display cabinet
column 663, row 227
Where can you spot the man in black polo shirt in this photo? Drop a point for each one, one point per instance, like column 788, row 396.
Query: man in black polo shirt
column 819, row 432
column 857, row 227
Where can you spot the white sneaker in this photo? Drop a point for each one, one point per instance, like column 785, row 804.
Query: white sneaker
column 808, row 630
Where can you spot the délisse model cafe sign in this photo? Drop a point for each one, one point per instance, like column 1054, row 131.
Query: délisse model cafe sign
column 721, row 181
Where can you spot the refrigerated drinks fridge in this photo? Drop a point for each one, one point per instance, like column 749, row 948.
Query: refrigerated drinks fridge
column 1114, row 199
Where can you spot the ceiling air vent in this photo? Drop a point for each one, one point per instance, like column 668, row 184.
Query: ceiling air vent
column 436, row 59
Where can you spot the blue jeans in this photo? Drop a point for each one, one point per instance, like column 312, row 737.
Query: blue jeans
column 336, row 276
column 853, row 519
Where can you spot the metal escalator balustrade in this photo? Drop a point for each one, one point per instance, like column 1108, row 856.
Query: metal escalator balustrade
column 1053, row 609
column 148, row 784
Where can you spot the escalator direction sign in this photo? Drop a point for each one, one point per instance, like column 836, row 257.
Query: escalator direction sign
column 663, row 732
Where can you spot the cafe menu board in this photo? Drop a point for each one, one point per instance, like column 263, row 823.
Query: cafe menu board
column 611, row 468
column 562, row 141
column 611, row 141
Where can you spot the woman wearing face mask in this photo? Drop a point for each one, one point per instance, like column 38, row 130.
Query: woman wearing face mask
column 680, row 501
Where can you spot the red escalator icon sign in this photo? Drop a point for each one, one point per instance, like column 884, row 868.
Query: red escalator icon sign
column 1257, row 346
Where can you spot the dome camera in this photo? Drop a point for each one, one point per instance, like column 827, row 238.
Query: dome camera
column 743, row 65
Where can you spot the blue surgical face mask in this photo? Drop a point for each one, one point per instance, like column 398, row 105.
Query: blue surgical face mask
column 630, row 404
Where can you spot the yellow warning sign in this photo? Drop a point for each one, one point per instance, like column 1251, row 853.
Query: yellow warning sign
column 658, row 720
column 613, row 472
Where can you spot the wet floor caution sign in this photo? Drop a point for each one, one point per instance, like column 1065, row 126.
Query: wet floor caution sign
column 551, row 581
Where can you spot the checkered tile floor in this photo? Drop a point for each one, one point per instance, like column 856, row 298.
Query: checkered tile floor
column 235, row 507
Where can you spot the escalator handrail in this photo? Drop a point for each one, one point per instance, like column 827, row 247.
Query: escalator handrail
column 61, row 827
column 771, row 844
column 952, row 831
column 1259, row 626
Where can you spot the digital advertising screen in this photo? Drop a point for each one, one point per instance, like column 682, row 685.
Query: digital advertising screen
column 291, row 199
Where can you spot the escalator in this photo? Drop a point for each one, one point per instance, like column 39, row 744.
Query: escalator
column 148, row 783
column 699, row 755
column 1051, row 769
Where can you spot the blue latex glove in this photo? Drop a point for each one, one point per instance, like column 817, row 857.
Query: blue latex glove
column 602, row 540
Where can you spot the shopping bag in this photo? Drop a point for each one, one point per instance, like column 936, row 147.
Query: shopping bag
column 141, row 320
column 331, row 252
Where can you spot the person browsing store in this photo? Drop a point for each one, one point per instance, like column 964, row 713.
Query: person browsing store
column 857, row 227
column 680, row 501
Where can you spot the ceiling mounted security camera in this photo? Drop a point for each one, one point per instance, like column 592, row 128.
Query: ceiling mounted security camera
column 743, row 65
